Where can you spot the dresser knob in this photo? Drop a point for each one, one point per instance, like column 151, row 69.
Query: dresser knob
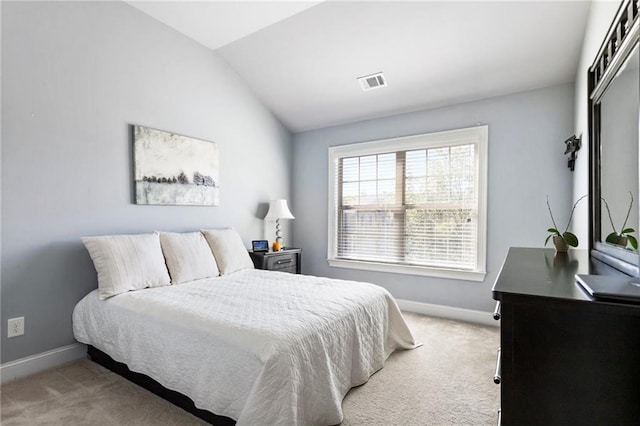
column 496, row 378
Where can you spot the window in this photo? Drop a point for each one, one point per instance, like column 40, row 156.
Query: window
column 414, row 205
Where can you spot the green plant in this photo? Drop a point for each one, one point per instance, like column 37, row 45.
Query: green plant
column 621, row 238
column 568, row 237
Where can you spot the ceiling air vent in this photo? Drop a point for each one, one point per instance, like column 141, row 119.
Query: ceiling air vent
column 372, row 81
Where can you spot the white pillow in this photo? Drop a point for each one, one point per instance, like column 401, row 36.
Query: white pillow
column 127, row 262
column 188, row 256
column 230, row 252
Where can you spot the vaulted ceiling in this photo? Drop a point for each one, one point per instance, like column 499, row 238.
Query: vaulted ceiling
column 302, row 58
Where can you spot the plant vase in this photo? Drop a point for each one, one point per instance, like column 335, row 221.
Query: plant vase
column 560, row 244
column 623, row 241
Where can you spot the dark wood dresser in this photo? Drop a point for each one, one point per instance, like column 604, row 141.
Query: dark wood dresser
column 565, row 358
column 287, row 260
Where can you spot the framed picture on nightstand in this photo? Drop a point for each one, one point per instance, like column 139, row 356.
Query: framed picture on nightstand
column 260, row 245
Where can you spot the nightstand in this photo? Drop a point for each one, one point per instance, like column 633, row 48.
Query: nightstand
column 288, row 260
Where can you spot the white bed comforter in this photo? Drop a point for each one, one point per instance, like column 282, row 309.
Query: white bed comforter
column 261, row 347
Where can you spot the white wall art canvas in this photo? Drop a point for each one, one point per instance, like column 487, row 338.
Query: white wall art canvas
column 173, row 169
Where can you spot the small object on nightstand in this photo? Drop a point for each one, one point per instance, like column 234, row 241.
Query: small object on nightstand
column 287, row 260
column 260, row 245
column 276, row 246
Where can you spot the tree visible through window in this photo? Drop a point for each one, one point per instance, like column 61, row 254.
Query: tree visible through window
column 411, row 201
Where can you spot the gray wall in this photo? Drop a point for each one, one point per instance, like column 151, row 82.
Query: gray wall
column 74, row 75
column 526, row 162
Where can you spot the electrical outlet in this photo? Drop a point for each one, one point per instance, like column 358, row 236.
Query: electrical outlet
column 15, row 327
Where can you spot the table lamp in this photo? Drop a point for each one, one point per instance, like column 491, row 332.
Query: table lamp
column 278, row 209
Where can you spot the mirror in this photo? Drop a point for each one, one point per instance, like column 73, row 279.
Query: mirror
column 614, row 121
column 619, row 109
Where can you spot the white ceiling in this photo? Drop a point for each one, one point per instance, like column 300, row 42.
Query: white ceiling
column 302, row 59
column 217, row 23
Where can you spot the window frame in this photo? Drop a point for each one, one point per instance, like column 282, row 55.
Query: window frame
column 477, row 135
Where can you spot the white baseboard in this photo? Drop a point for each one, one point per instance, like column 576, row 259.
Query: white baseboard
column 33, row 364
column 449, row 312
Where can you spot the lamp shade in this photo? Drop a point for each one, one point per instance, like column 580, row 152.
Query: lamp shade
column 278, row 209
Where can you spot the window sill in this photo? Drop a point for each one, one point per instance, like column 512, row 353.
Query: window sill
column 455, row 274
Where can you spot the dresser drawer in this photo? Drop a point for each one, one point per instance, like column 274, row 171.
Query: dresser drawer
column 286, row 262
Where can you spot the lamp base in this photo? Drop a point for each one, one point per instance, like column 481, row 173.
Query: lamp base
column 278, row 233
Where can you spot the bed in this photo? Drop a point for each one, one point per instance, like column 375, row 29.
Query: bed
column 187, row 313
column 259, row 347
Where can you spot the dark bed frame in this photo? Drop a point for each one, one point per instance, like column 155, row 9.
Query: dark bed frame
column 151, row 385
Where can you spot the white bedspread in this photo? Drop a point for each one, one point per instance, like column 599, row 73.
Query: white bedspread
column 261, row 347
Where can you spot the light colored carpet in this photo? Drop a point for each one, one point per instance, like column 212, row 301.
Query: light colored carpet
column 447, row 381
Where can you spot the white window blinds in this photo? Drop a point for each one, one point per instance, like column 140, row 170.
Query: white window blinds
column 410, row 201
